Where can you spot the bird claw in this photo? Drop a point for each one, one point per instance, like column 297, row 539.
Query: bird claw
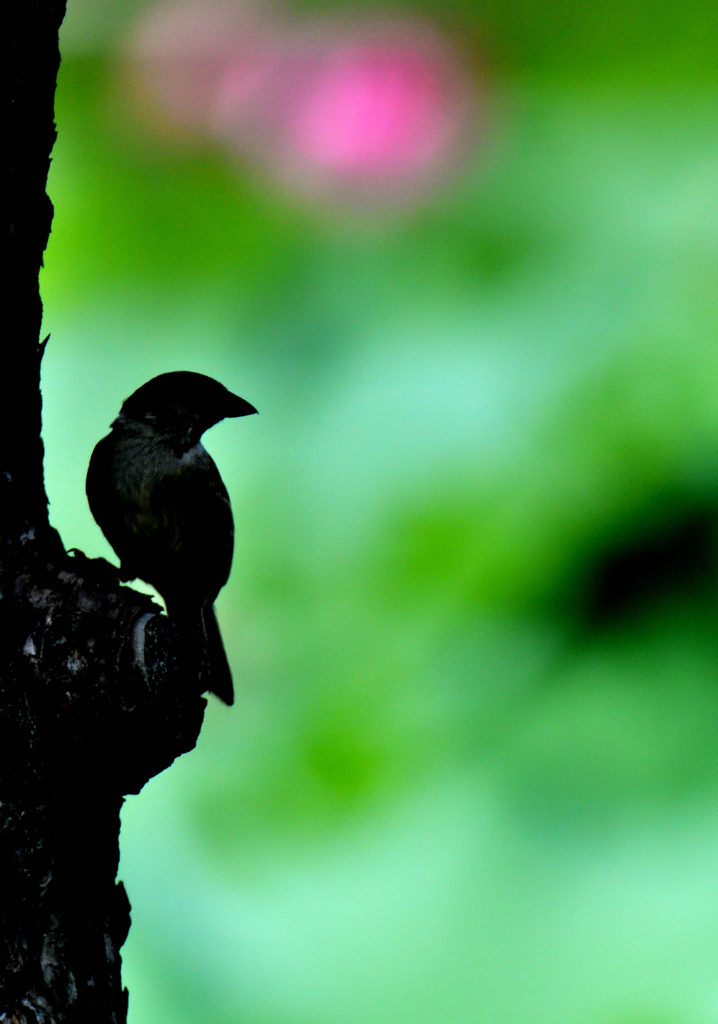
column 98, row 569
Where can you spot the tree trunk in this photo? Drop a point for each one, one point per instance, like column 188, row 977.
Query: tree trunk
column 91, row 700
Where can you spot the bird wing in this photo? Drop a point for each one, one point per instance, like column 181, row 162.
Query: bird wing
column 188, row 528
column 170, row 524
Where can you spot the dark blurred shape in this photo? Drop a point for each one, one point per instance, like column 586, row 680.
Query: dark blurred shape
column 676, row 558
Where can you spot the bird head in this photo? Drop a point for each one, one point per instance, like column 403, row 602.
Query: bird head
column 178, row 407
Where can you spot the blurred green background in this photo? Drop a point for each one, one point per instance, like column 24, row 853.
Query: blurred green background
column 472, row 772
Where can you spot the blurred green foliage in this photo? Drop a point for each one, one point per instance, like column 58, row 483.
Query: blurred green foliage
column 472, row 771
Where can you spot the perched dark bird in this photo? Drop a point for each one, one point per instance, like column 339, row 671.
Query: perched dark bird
column 157, row 496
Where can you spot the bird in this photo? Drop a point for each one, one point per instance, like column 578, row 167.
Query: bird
column 158, row 497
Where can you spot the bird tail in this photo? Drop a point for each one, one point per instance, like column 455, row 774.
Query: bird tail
column 220, row 674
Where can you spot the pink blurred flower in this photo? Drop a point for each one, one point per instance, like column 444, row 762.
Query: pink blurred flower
column 372, row 114
column 370, row 111
column 182, row 52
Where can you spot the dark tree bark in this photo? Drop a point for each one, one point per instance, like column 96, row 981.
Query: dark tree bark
column 91, row 700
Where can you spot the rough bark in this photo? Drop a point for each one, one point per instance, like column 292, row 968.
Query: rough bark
column 91, row 700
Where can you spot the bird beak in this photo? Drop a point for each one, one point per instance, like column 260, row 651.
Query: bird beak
column 236, row 406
